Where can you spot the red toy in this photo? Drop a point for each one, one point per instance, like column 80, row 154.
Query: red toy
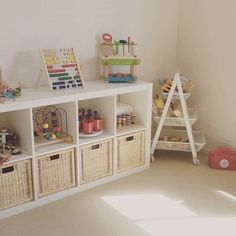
column 222, row 158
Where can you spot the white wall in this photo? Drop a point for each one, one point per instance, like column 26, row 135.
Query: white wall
column 206, row 54
column 28, row 25
column 206, row 45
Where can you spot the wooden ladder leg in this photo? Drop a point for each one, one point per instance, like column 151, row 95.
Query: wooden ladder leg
column 163, row 116
column 186, row 120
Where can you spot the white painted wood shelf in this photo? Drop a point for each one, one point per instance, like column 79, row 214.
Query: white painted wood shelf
column 195, row 140
column 98, row 95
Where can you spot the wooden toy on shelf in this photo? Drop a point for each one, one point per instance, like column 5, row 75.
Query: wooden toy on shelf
column 111, row 56
column 90, row 123
column 48, row 126
column 166, row 84
column 8, row 142
column 125, row 116
column 125, row 119
column 6, row 91
column 62, row 68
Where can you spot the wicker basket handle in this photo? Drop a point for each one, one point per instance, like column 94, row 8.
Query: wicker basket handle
column 95, row 147
column 130, row 138
column 7, row 169
column 54, row 157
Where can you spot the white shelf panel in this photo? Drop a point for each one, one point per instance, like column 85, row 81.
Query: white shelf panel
column 178, row 121
column 199, row 141
column 92, row 89
column 53, row 148
column 127, row 129
column 105, row 135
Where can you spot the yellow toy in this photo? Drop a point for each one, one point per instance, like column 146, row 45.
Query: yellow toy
column 158, row 102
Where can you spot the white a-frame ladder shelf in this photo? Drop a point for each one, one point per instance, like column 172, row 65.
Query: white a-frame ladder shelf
column 176, row 84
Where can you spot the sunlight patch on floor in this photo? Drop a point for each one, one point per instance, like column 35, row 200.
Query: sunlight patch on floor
column 147, row 206
column 159, row 215
column 228, row 195
column 193, row 226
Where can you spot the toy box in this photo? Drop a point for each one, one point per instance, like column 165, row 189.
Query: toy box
column 222, row 158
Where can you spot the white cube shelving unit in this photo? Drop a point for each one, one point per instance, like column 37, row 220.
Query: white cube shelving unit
column 98, row 95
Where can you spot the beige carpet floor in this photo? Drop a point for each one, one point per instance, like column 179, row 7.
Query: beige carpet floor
column 174, row 197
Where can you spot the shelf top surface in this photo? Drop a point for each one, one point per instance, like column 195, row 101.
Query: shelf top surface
column 42, row 96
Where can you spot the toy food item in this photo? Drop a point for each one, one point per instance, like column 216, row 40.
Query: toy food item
column 158, row 102
column 167, row 85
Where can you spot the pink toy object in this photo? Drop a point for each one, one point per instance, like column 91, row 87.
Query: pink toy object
column 222, row 158
column 88, row 126
column 97, row 124
column 107, row 37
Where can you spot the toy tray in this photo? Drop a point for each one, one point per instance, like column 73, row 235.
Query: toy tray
column 198, row 137
column 41, row 141
column 127, row 79
column 176, row 95
column 179, row 121
column 94, row 134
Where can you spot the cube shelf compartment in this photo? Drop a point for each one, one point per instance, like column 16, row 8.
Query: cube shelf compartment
column 15, row 184
column 20, row 122
column 138, row 102
column 198, row 137
column 96, row 161
column 65, row 116
column 56, row 172
column 130, row 151
column 105, row 106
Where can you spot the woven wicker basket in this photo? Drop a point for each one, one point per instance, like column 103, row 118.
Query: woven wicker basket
column 15, row 184
column 130, row 151
column 56, row 172
column 95, row 161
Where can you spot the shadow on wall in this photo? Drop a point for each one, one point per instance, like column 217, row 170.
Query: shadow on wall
column 24, row 69
column 26, row 66
column 87, row 72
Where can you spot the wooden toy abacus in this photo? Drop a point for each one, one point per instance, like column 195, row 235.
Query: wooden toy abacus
column 62, row 68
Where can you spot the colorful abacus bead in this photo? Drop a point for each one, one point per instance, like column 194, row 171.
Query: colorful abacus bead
column 48, row 137
column 45, row 129
column 57, row 132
